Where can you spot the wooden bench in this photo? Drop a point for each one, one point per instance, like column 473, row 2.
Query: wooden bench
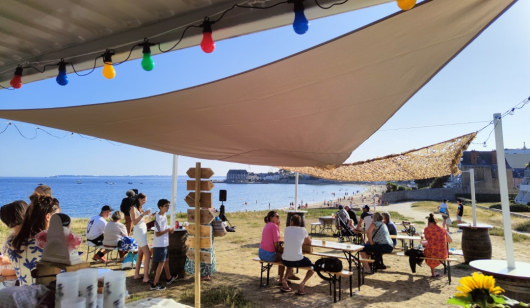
column 266, row 267
column 331, row 255
column 445, row 262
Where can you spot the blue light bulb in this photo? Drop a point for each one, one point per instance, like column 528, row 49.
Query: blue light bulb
column 300, row 23
column 62, row 79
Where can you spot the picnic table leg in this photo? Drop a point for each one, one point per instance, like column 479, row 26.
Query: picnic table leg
column 268, row 271
column 449, row 271
column 340, row 288
column 334, row 288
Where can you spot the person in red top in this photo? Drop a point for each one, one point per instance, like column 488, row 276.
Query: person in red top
column 436, row 244
column 270, row 241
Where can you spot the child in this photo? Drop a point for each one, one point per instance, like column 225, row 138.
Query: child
column 160, row 244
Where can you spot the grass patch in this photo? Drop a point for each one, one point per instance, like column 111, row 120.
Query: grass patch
column 523, row 227
column 222, row 296
column 516, row 237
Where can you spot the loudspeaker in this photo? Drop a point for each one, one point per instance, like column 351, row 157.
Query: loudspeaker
column 222, row 195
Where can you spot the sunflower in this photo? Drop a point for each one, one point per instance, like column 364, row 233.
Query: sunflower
column 477, row 284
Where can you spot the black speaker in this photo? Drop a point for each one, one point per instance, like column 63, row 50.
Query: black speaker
column 222, row 195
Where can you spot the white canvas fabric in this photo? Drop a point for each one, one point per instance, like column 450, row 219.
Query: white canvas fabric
column 310, row 109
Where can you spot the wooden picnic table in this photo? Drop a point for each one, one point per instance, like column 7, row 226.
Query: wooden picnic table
column 403, row 238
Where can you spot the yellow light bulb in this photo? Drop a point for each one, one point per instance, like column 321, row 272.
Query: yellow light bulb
column 108, row 70
column 406, row 5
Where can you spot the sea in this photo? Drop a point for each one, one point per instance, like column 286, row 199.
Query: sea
column 83, row 196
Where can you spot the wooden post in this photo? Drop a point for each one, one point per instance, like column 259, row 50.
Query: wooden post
column 197, row 238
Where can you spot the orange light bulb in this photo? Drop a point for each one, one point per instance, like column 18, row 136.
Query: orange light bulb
column 406, row 5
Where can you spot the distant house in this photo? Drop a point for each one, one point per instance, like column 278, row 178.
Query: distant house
column 236, row 176
column 485, row 168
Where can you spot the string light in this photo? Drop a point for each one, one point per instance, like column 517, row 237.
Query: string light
column 300, row 23
column 16, row 82
column 108, row 70
column 406, row 5
column 61, row 78
column 207, row 43
column 147, row 61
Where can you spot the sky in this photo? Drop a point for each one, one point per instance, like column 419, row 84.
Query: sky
column 491, row 75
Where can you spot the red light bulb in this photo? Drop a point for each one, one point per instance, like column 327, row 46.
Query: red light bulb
column 16, row 82
column 207, row 43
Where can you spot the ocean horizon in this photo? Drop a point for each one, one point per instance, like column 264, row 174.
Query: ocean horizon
column 83, row 196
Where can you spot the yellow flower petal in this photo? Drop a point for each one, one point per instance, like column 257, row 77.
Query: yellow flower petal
column 463, row 289
column 460, row 294
column 496, row 290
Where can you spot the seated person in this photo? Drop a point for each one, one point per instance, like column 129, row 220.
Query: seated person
column 95, row 230
column 392, row 229
column 114, row 231
column 366, row 218
column 295, row 236
column 379, row 241
column 435, row 244
column 22, row 250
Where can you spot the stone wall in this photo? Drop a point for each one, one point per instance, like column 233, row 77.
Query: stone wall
column 433, row 194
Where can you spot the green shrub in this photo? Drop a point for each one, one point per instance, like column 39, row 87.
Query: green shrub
column 513, row 207
column 523, row 227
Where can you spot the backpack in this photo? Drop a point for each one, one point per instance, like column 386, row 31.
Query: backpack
column 327, row 264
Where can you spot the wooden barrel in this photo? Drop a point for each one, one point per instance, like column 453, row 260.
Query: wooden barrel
column 476, row 244
column 291, row 213
column 514, row 287
column 177, row 252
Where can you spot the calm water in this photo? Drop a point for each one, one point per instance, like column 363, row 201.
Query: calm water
column 84, row 196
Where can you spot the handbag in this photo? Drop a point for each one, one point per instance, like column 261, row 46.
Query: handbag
column 219, row 229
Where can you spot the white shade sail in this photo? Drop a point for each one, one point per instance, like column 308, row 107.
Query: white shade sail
column 310, row 109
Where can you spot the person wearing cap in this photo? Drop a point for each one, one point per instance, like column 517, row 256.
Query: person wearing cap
column 95, row 230
column 366, row 218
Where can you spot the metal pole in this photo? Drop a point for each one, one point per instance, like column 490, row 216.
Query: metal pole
column 296, row 191
column 473, row 202
column 174, row 180
column 503, row 187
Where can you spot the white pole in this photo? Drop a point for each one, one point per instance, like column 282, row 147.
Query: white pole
column 503, row 187
column 473, row 202
column 174, row 181
column 296, row 191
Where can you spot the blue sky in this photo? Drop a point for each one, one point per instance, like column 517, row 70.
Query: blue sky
column 490, row 76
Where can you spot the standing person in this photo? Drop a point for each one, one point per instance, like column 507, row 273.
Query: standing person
column 43, row 189
column 160, row 245
column 295, row 237
column 125, row 207
column 366, row 218
column 352, row 214
column 435, row 244
column 22, row 249
column 95, row 231
column 459, row 212
column 140, row 236
column 443, row 208
column 269, row 247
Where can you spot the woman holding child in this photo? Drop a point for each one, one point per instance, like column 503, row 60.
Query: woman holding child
column 23, row 250
column 436, row 244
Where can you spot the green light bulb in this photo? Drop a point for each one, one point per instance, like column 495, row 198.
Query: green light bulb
column 147, row 62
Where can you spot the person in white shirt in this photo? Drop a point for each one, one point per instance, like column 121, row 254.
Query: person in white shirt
column 160, row 245
column 114, row 231
column 295, row 236
column 95, row 230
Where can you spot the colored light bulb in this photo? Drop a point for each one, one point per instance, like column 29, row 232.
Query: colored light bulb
column 300, row 23
column 406, row 5
column 16, row 82
column 207, row 43
column 61, row 78
column 108, row 70
column 147, row 62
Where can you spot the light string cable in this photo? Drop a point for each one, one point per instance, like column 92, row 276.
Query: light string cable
column 511, row 111
column 57, row 62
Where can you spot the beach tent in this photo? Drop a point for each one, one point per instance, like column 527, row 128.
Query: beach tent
column 310, row 109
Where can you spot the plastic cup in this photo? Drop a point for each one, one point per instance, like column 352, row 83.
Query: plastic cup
column 114, row 290
column 323, row 242
column 74, row 302
column 67, row 287
column 88, row 286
